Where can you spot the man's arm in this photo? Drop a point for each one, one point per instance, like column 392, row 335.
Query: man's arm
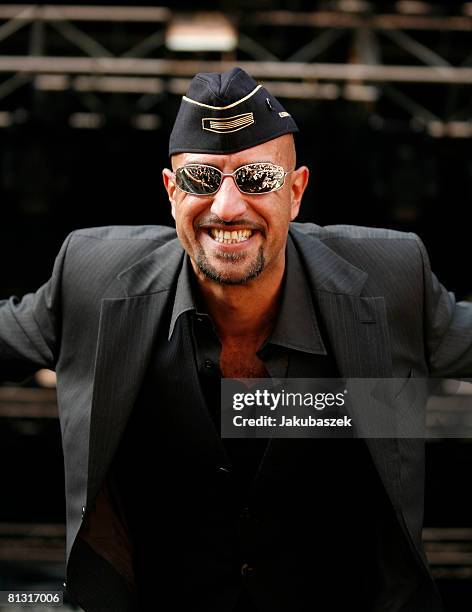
column 448, row 327
column 30, row 328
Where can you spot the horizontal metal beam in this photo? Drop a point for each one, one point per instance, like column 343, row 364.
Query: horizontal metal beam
column 450, row 534
column 260, row 70
column 334, row 19
column 85, row 13
column 27, row 394
column 315, row 19
column 281, row 89
column 23, row 402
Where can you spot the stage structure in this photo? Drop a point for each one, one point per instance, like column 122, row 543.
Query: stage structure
column 415, row 57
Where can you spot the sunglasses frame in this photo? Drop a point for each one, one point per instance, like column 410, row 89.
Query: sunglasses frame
column 232, row 175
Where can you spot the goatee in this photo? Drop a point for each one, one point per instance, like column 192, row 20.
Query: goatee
column 256, row 267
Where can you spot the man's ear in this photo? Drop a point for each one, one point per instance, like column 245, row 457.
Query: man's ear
column 169, row 184
column 299, row 181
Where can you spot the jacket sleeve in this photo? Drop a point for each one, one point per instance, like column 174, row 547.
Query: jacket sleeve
column 448, row 327
column 30, row 328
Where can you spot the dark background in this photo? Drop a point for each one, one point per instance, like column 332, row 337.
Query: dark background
column 372, row 163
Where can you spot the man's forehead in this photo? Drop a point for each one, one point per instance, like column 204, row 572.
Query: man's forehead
column 274, row 151
column 222, row 161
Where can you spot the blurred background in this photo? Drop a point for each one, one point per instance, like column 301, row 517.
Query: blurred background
column 381, row 92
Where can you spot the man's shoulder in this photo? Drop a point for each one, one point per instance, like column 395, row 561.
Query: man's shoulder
column 129, row 233
column 98, row 256
column 350, row 232
column 118, row 241
column 372, row 249
column 112, row 249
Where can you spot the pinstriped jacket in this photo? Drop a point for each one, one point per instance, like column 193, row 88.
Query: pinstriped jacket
column 94, row 322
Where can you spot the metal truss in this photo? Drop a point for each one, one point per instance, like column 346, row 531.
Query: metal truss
column 357, row 54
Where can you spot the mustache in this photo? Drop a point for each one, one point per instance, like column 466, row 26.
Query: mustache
column 215, row 220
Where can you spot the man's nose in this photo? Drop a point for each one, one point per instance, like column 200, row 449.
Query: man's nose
column 228, row 202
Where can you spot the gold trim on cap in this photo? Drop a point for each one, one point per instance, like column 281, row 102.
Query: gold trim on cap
column 222, row 107
column 227, row 124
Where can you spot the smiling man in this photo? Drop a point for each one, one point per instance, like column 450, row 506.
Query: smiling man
column 141, row 325
column 232, row 212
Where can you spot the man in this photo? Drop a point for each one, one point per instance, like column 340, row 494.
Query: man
column 140, row 326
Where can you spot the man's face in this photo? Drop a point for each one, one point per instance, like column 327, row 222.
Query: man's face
column 259, row 222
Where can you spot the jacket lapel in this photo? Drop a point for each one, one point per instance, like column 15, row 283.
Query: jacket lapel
column 127, row 329
column 358, row 333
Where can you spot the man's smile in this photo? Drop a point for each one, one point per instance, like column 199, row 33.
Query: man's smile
column 230, row 237
column 222, row 239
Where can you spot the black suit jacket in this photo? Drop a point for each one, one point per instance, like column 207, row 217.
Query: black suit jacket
column 94, row 322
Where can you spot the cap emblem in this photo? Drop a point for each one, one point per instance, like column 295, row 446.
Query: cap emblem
column 227, row 124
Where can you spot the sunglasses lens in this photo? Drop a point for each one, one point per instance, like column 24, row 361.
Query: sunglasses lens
column 198, row 179
column 259, row 178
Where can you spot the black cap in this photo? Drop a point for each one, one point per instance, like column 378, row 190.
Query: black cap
column 227, row 112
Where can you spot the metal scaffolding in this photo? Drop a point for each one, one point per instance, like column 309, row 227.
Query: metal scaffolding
column 355, row 54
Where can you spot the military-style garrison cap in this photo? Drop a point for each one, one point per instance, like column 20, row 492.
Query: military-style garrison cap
column 227, row 112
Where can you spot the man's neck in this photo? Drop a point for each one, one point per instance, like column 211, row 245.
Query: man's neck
column 243, row 311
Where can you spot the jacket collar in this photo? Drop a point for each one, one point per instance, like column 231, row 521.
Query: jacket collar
column 327, row 270
column 296, row 327
column 154, row 273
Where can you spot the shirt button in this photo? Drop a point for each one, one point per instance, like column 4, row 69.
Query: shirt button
column 245, row 514
column 246, row 570
column 208, row 365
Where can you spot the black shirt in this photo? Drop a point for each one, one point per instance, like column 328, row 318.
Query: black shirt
column 295, row 348
column 296, row 329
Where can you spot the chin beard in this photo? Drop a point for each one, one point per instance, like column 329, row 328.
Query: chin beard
column 256, row 267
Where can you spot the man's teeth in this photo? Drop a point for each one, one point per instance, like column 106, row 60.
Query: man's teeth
column 230, row 237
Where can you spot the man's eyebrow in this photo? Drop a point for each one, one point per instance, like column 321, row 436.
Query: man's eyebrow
column 200, row 162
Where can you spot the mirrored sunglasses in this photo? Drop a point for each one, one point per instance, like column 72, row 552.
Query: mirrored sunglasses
column 252, row 179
